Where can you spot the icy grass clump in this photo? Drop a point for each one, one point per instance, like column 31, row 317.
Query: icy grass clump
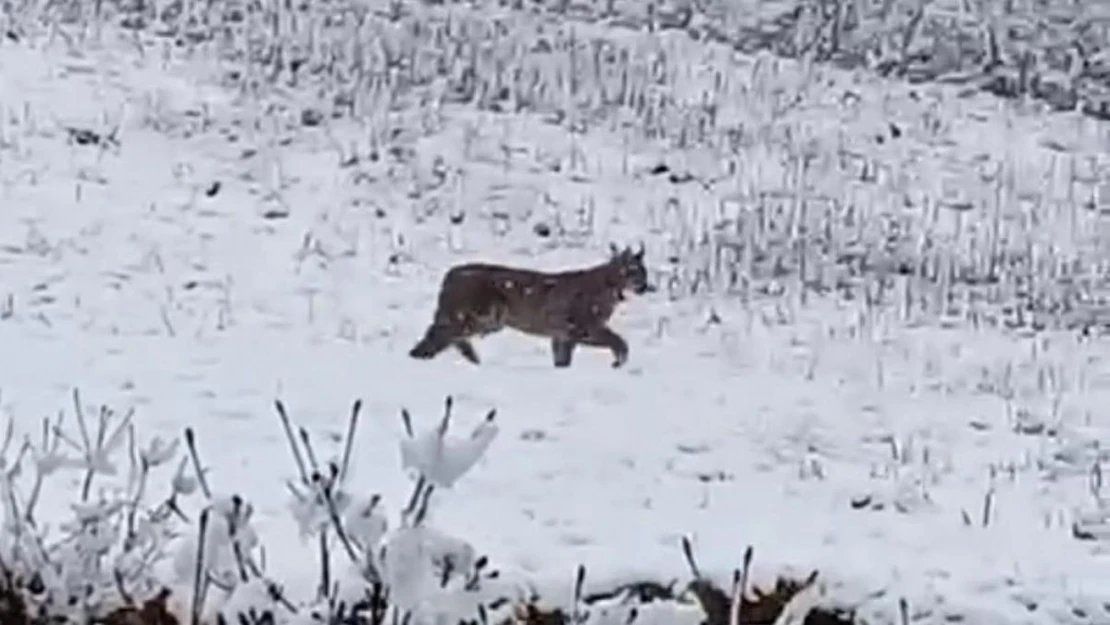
column 105, row 557
column 423, row 574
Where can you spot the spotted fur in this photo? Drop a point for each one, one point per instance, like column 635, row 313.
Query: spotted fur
column 570, row 308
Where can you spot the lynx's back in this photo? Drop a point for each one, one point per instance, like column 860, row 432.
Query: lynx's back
column 534, row 302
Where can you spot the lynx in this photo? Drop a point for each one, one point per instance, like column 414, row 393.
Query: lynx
column 571, row 308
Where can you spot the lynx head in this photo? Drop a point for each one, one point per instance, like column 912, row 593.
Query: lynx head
column 630, row 269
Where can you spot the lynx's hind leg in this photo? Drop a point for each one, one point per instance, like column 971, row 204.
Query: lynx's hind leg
column 466, row 348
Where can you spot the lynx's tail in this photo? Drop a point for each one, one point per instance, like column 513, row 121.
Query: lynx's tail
column 423, row 350
column 430, row 345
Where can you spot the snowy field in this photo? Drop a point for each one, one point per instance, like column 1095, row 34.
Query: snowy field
column 193, row 250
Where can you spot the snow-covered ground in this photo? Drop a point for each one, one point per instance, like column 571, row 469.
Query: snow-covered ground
column 947, row 466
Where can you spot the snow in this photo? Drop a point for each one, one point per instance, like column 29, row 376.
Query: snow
column 131, row 283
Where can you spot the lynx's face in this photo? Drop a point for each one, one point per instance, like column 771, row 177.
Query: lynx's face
column 630, row 266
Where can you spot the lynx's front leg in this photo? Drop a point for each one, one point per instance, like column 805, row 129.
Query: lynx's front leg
column 602, row 336
column 562, row 351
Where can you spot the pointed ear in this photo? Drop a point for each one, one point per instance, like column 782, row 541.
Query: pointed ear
column 640, row 252
column 613, row 250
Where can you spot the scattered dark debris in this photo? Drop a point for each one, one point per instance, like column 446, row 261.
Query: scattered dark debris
column 133, row 22
column 530, row 614
column 275, row 213
column 213, row 189
column 1034, row 429
column 680, row 177
column 533, row 435
column 13, row 608
column 715, row 476
column 84, row 136
column 36, row 586
column 638, row 592
column 542, row 230
column 1097, row 109
column 12, row 36
column 193, row 36
column 673, row 177
column 154, row 611
column 311, row 117
column 764, row 606
column 1080, row 533
column 714, row 602
column 834, row 616
column 693, row 449
column 894, row 133
column 757, row 606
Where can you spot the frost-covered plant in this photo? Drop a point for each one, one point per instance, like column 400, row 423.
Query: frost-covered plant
column 424, row 566
column 421, row 573
column 104, row 555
